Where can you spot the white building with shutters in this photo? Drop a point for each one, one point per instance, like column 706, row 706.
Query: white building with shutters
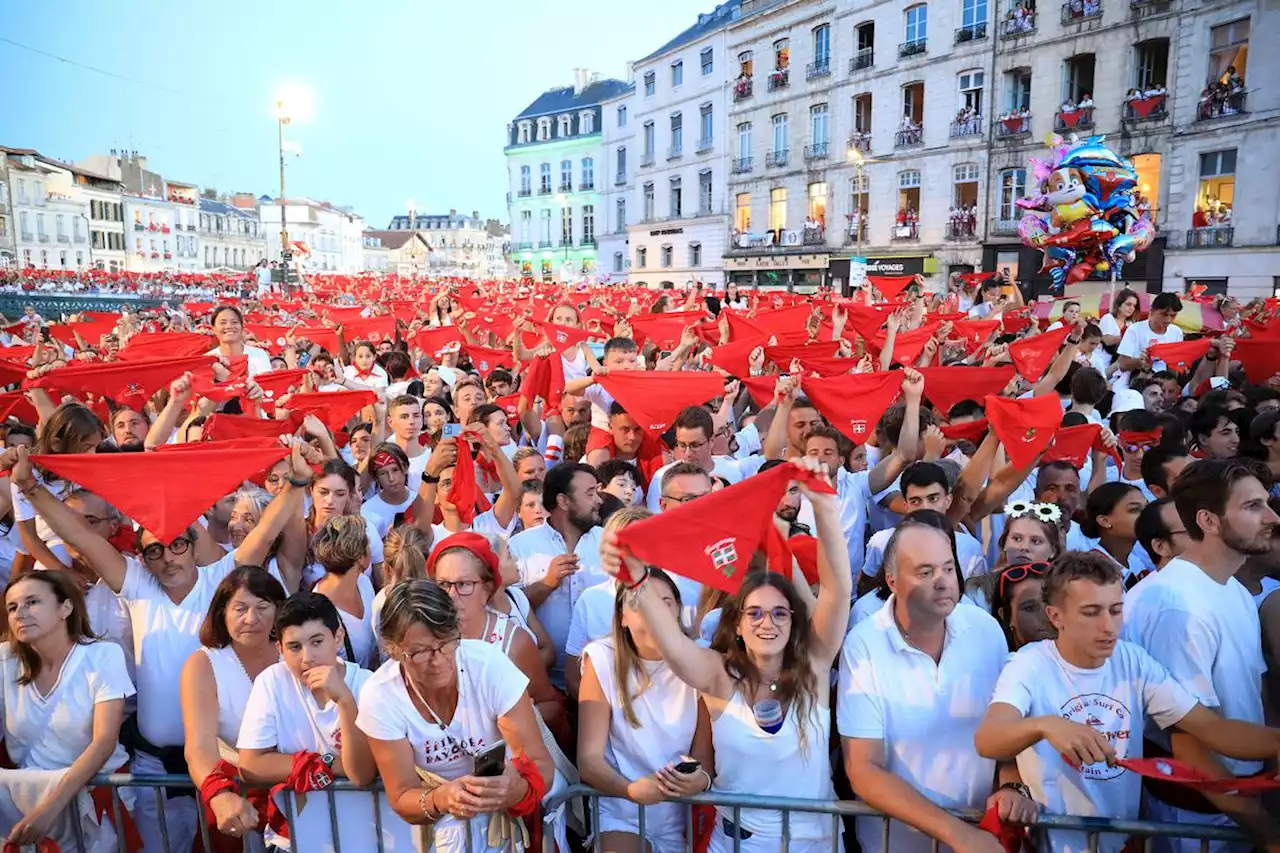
column 617, row 185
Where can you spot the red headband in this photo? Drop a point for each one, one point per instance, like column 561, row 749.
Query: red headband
column 384, row 459
column 468, row 541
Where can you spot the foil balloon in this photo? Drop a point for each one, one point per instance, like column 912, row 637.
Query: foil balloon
column 1084, row 217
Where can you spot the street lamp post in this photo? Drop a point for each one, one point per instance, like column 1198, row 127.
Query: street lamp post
column 855, row 158
column 282, row 118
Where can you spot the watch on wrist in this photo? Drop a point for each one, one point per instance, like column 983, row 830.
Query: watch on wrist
column 328, row 758
column 299, row 484
column 429, row 478
column 1018, row 788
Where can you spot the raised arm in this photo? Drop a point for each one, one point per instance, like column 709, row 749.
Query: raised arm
column 286, row 505
column 835, row 577
column 171, row 415
column 702, row 669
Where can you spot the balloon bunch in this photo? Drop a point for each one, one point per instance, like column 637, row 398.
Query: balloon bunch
column 1084, row 216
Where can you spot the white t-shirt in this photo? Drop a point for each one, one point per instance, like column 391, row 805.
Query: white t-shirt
column 282, row 714
column 51, row 732
column 925, row 714
column 1115, row 699
column 164, row 636
column 377, row 377
column 1137, row 338
column 592, row 617
column 259, row 359
column 360, row 629
column 383, row 514
column 489, row 686
column 1207, row 634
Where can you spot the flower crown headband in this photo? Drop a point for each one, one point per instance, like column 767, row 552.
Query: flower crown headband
column 1051, row 513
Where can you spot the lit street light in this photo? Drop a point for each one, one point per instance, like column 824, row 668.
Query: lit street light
column 293, row 102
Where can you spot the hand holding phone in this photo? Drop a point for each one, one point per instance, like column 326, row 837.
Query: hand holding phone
column 492, row 762
column 451, row 431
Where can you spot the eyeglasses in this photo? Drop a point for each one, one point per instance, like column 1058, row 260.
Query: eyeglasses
column 155, row 550
column 1017, row 574
column 683, row 499
column 777, row 615
column 423, row 656
column 461, row 587
column 690, row 446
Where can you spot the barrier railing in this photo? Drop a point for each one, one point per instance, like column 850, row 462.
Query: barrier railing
column 1093, row 828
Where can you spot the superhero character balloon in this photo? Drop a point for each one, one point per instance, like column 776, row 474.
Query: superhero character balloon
column 1084, row 217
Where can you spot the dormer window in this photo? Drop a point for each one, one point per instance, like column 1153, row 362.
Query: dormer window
column 544, row 129
column 525, row 131
column 586, row 122
column 566, row 123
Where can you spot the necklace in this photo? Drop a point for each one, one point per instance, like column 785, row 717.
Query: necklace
column 418, row 693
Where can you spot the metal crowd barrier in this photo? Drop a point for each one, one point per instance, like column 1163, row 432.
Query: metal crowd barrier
column 835, row 809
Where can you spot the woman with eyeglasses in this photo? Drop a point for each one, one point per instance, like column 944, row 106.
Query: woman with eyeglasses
column 237, row 642
column 766, row 683
column 341, row 547
column 1016, row 604
column 63, row 694
column 1111, row 516
column 466, row 567
column 433, row 709
column 637, row 722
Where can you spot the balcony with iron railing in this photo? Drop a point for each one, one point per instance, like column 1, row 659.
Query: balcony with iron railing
column 860, row 140
column 855, row 234
column 43, row 238
column 742, row 89
column 1065, row 121
column 966, row 127
column 742, row 165
column 63, row 238
column 1221, row 103
column 1211, row 237
column 620, row 179
column 776, row 157
column 705, row 144
column 961, row 230
column 779, row 78
column 864, row 58
column 524, row 246
column 817, row 151
column 587, row 243
column 646, row 159
column 972, row 32
column 544, row 190
column 1018, row 26
column 525, row 193
column 909, row 138
column 1075, row 13
column 912, row 48
column 1005, row 226
column 566, row 186
column 27, row 237
column 586, row 186
column 906, row 233
column 1013, row 127
column 1151, row 108
column 820, row 67
column 675, row 152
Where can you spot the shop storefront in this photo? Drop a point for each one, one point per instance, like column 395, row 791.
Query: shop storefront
column 925, row 265
column 802, row 272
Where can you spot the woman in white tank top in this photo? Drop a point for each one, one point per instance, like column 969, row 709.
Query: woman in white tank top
column 768, row 646
column 636, row 722
column 341, row 547
column 236, row 644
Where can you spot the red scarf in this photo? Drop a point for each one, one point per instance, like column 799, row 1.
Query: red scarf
column 222, row 779
column 464, row 492
column 309, row 774
column 854, row 403
column 947, row 386
column 1034, row 355
column 1024, row 427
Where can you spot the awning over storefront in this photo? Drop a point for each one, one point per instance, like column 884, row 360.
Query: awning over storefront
column 777, row 262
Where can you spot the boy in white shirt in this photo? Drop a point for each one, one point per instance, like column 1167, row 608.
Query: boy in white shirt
column 1069, row 708
column 1158, row 328
column 301, row 720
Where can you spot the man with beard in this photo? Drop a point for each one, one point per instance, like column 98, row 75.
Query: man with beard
column 1199, row 621
column 559, row 559
column 129, row 429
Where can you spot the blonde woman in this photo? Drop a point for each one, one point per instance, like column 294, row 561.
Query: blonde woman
column 636, row 730
column 404, row 558
column 341, row 547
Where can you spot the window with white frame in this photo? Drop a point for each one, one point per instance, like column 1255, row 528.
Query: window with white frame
column 780, row 132
column 566, row 226
column 677, row 73
column 622, row 162
column 588, row 173
column 917, row 24
column 966, row 186
column 677, row 133
column 676, row 194
column 667, row 255
column 650, row 83
column 778, row 209
column 695, row 254
column 545, row 216
column 742, row 212
column 971, row 86
column 706, row 124
column 642, row 257
column 819, row 126
column 649, row 138
column 620, row 214
column 566, row 124
column 588, row 223
column 586, row 122
column 566, row 175
column 973, row 12
column 544, row 128
column 708, row 61
column 744, row 140
column 622, row 115
column 859, row 195
column 909, row 190
column 822, row 47
column 648, row 201
column 526, row 226
column 1013, row 186
column 1229, row 48
column 1018, row 88
column 524, row 130
column 705, row 192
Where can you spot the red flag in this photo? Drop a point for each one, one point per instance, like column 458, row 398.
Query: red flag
column 1179, row 356
column 761, row 388
column 853, row 403
column 220, row 427
column 562, row 337
column 1032, row 356
column 1260, row 358
column 369, row 329
column 1024, row 427
column 907, row 346
column 946, row 386
column 464, row 491
column 166, row 345
column 126, row 382
column 434, row 341
column 711, row 540
column 12, row 373
column 16, row 405
column 890, row 286
column 486, row 360
column 163, row 492
column 655, row 397
column 972, row 431
column 824, row 367
column 735, row 357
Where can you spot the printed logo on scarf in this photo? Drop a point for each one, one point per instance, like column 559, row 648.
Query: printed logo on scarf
column 724, row 555
column 858, row 426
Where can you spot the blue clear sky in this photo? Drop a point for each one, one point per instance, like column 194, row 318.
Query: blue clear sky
column 412, row 97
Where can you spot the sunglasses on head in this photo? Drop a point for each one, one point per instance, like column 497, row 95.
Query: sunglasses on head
column 1017, row 574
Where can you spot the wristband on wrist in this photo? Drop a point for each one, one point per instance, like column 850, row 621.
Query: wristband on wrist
column 427, row 478
column 299, row 484
column 1017, row 788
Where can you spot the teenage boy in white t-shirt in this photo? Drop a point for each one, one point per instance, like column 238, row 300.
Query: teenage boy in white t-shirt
column 1158, row 328
column 307, row 703
column 1068, row 708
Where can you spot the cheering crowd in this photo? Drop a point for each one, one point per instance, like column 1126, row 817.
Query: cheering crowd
column 482, row 541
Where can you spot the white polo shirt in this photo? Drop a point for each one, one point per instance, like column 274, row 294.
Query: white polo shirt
column 925, row 714
column 1208, row 636
column 533, row 551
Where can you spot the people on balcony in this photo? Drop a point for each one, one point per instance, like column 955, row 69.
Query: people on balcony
column 1224, row 96
column 910, row 132
column 968, row 121
column 1021, row 17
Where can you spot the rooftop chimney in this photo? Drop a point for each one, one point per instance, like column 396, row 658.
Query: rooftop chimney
column 475, row 214
column 579, row 80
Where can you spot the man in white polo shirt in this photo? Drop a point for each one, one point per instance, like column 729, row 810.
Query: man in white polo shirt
column 915, row 680
column 1196, row 619
column 559, row 559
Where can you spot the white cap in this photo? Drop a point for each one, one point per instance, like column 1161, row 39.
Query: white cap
column 1126, row 400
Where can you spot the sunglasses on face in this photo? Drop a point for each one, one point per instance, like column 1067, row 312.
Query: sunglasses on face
column 156, row 550
column 1017, row 574
column 778, row 615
